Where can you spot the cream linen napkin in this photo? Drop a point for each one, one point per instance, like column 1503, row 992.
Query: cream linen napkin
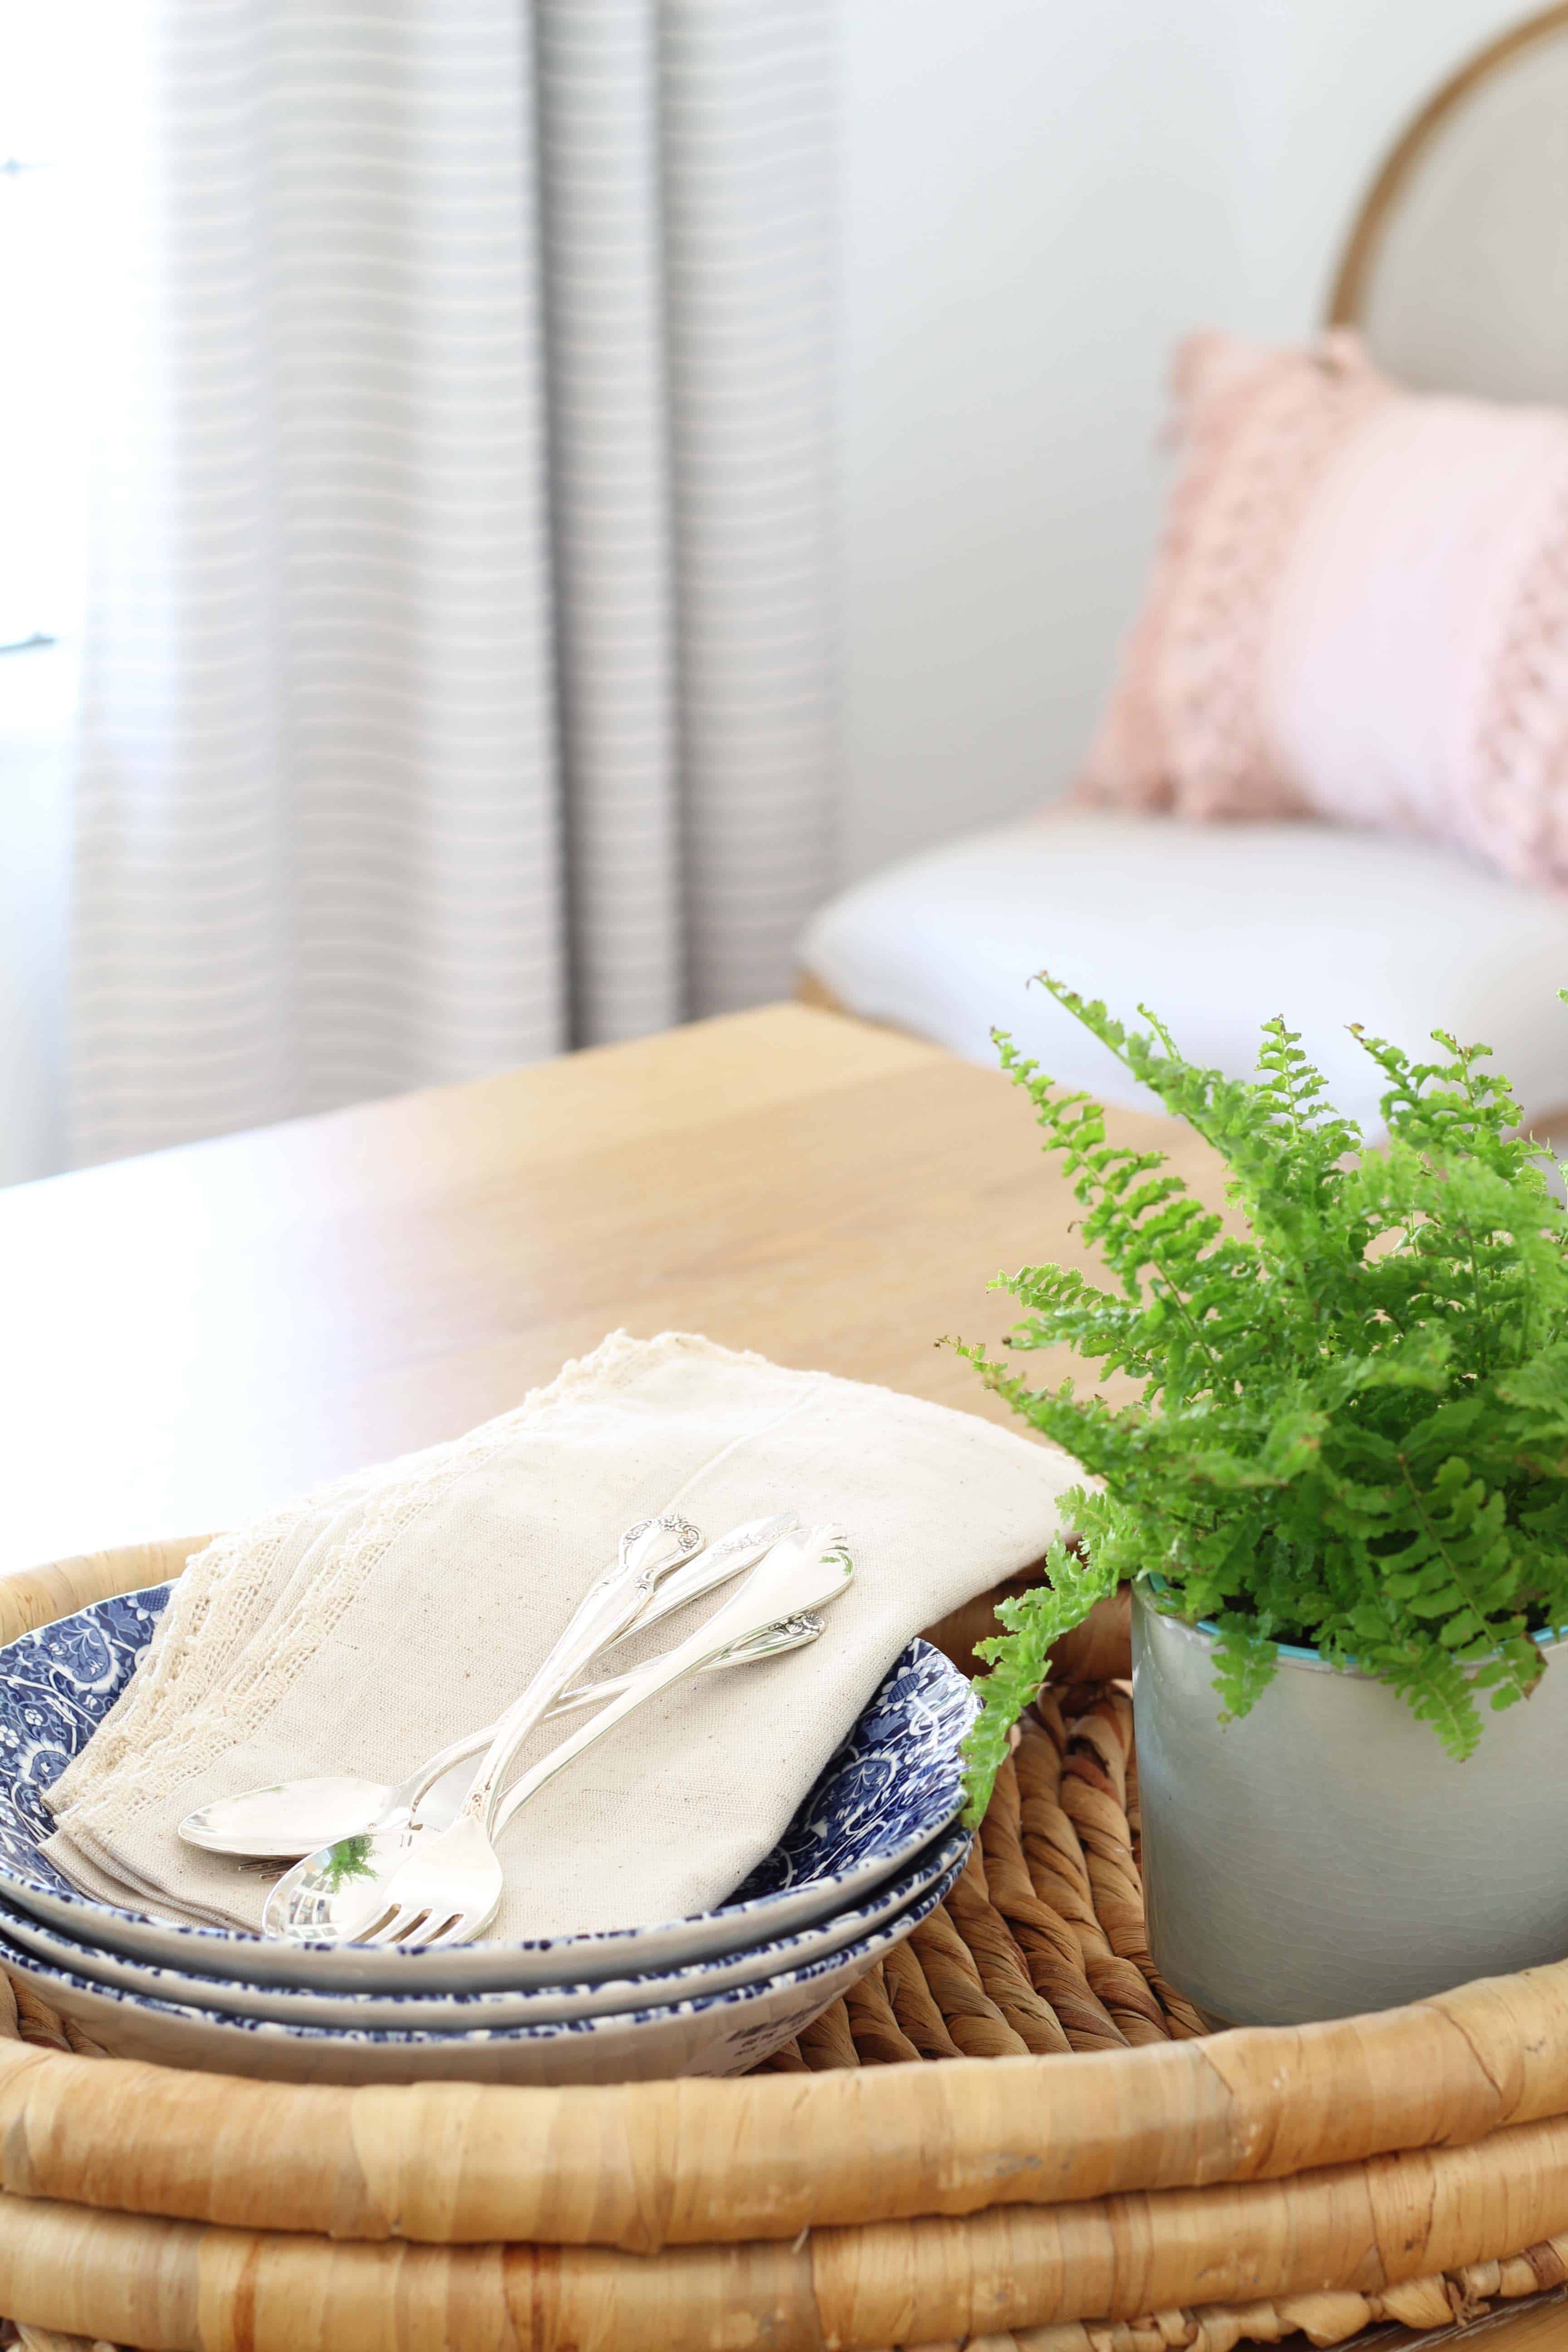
column 363, row 1628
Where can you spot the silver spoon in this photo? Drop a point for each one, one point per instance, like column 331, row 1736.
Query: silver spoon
column 418, row 1886
column 292, row 1818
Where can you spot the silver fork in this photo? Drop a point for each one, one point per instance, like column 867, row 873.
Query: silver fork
column 425, row 1887
column 647, row 1552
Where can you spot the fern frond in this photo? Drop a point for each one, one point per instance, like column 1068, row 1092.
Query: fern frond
column 1352, row 1420
column 1018, row 1657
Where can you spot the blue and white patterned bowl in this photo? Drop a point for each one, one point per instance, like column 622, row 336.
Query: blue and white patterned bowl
column 890, row 1789
column 716, row 2033
column 468, row 2012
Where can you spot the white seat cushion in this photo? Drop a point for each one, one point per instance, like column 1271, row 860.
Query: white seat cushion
column 1218, row 928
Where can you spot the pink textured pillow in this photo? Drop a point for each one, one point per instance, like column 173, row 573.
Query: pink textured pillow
column 1360, row 612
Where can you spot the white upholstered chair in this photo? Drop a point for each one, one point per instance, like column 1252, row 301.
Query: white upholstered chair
column 1455, row 273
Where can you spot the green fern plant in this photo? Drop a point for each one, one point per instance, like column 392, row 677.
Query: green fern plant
column 1351, row 1428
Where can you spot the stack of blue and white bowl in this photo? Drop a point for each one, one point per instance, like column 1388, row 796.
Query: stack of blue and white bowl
column 874, row 1848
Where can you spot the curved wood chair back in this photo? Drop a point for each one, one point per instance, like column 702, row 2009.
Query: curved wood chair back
column 1455, row 270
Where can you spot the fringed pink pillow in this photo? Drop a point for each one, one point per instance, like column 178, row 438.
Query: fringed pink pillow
column 1360, row 612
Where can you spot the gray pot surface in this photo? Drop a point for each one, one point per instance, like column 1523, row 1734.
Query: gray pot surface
column 1323, row 1855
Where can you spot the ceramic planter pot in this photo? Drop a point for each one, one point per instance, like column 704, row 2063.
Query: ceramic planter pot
column 1323, row 1855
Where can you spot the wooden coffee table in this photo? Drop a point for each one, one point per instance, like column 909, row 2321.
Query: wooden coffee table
column 193, row 1336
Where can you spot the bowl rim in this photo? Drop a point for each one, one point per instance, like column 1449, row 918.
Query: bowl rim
column 866, row 1949
column 950, row 1846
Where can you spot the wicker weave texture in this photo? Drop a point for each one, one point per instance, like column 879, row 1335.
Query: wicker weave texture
column 1041, row 1946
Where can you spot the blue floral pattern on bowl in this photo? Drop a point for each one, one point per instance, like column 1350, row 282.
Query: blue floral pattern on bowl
column 892, row 1786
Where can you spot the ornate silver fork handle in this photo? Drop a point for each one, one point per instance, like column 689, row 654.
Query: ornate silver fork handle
column 610, row 1608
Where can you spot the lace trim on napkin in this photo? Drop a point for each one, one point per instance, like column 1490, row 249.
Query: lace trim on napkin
column 99, row 1802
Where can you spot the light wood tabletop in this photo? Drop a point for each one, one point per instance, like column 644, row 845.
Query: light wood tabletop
column 1541, row 2325
column 193, row 1336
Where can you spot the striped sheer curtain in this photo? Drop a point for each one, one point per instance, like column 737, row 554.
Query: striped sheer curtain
column 457, row 677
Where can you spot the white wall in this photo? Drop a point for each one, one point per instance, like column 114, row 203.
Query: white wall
column 1042, row 195
column 36, row 690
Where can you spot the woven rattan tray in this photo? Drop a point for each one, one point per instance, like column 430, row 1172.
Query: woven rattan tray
column 1011, row 2136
